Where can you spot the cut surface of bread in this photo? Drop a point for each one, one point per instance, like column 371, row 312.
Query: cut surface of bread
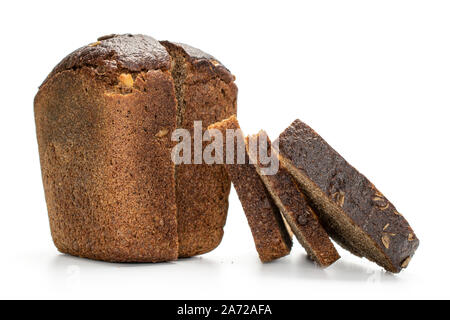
column 353, row 211
column 271, row 237
column 292, row 203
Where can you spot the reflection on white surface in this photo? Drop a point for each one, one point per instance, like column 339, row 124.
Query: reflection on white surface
column 75, row 274
column 304, row 269
column 212, row 276
column 73, row 277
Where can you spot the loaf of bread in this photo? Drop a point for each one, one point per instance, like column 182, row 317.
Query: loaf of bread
column 104, row 120
column 352, row 210
column 271, row 237
column 293, row 205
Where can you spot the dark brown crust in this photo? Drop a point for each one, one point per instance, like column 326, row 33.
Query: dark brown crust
column 193, row 53
column 117, row 53
column 271, row 238
column 293, row 205
column 107, row 173
column 356, row 196
column 202, row 190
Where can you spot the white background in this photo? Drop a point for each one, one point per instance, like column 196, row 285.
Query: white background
column 372, row 77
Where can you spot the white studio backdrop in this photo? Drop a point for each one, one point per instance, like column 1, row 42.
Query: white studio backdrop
column 372, row 77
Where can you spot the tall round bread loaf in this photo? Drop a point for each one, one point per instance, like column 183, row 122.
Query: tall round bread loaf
column 104, row 120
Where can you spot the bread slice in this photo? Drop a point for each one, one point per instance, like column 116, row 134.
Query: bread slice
column 352, row 210
column 292, row 203
column 271, row 237
column 205, row 91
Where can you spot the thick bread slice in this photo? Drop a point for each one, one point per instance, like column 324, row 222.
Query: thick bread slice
column 293, row 205
column 271, row 238
column 206, row 92
column 352, row 210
